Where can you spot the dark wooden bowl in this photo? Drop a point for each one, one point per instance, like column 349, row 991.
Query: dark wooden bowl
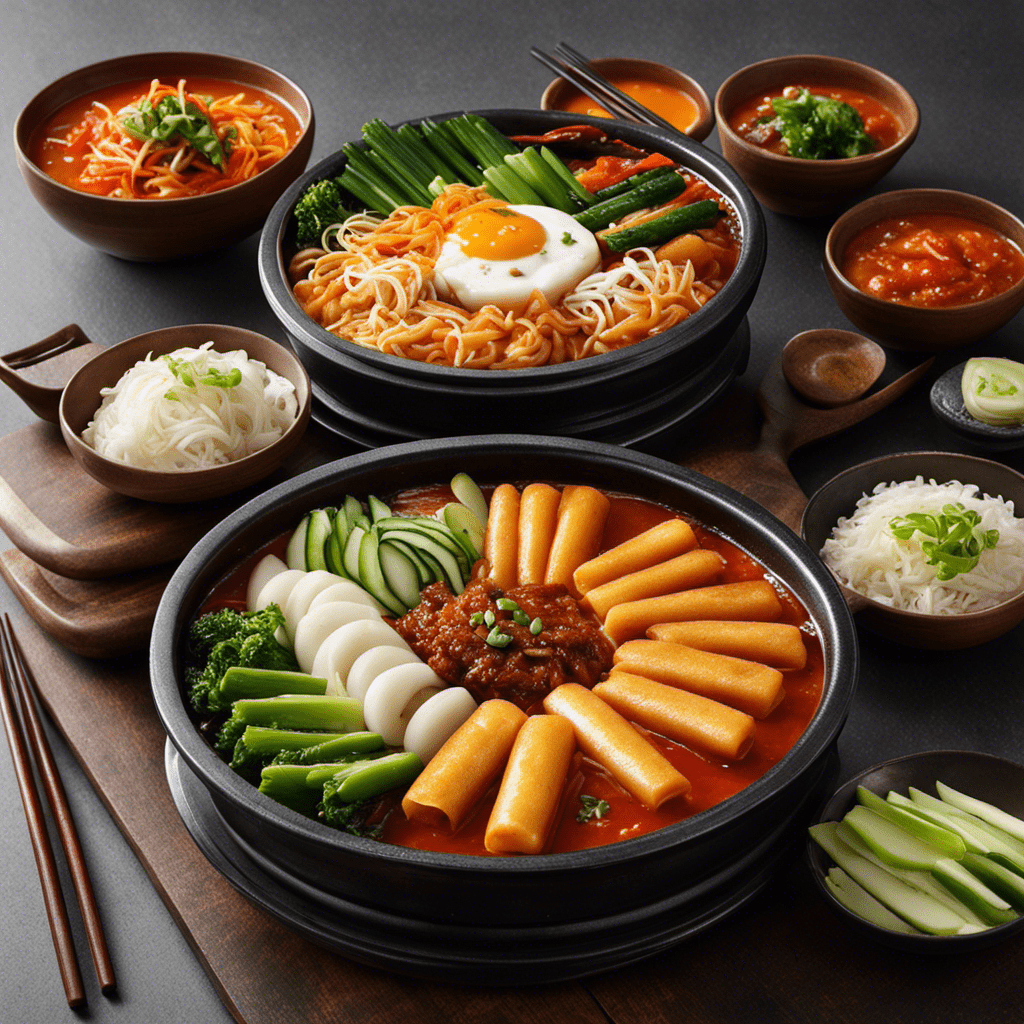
column 81, row 399
column 810, row 188
column 984, row 776
column 919, row 328
column 559, row 92
column 151, row 230
column 839, row 497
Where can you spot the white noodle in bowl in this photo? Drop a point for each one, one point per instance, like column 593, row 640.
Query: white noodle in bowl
column 868, row 558
column 153, row 419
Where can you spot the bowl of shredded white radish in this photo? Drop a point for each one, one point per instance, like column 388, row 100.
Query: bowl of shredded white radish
column 928, row 546
column 186, row 413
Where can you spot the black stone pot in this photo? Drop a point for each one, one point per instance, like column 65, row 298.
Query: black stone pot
column 494, row 892
column 420, row 399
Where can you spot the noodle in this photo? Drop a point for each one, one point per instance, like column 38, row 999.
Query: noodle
column 372, row 284
column 253, row 131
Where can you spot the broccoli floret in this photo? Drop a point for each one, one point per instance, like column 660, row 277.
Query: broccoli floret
column 227, row 637
column 230, row 735
column 358, row 818
column 318, row 208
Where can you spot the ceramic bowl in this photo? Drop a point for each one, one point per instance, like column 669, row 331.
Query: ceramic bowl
column 811, row 188
column 560, row 93
column 416, row 399
column 486, row 894
column 919, row 328
column 153, row 230
column 81, row 398
column 947, row 401
column 839, row 497
column 989, row 778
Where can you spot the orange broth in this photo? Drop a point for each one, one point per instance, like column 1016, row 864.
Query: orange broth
column 665, row 100
column 60, row 145
column 932, row 259
column 712, row 781
column 879, row 121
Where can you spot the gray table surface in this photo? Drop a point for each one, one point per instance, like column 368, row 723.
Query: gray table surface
column 411, row 57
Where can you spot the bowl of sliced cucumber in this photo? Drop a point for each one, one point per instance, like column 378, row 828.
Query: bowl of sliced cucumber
column 925, row 853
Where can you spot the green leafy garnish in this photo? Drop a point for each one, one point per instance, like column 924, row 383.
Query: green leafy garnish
column 819, row 127
column 187, row 373
column 167, row 121
column 592, row 808
column 954, row 541
column 567, row 239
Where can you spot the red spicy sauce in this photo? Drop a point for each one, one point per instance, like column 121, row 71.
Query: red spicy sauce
column 932, row 259
column 879, row 121
column 711, row 781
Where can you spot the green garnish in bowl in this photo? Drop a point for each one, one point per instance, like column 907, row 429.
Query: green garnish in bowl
column 167, row 120
column 954, row 543
column 819, row 127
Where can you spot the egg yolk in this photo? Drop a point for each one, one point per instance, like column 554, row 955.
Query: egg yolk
column 498, row 233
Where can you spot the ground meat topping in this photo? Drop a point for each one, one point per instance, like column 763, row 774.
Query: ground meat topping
column 569, row 648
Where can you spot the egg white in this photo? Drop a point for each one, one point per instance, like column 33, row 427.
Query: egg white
column 569, row 255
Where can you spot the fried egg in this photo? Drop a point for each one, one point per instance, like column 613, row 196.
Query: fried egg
column 497, row 254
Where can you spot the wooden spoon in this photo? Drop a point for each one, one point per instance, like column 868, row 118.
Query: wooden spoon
column 830, row 367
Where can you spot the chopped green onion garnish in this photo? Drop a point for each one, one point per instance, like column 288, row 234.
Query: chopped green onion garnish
column 592, row 808
column 498, row 639
column 536, row 626
column 520, row 617
column 489, row 617
column 476, row 619
column 954, row 541
column 506, row 604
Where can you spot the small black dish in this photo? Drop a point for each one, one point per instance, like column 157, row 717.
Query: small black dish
column 984, row 776
column 948, row 405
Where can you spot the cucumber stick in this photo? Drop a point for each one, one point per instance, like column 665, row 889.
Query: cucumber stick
column 972, row 892
column 955, row 823
column 914, row 907
column 889, row 842
column 942, row 838
column 465, row 489
column 986, row 811
column 998, row 878
column 857, row 899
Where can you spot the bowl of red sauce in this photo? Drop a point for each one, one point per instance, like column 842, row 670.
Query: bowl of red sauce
column 808, row 132
column 670, row 93
column 426, row 900
column 157, row 156
column 927, row 269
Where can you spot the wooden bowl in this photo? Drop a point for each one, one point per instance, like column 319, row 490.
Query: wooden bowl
column 839, row 497
column 151, row 230
column 810, row 188
column 81, row 399
column 560, row 93
column 920, row 328
column 984, row 776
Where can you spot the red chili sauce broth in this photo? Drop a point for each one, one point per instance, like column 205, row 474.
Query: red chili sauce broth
column 879, row 121
column 711, row 781
column 75, row 121
column 933, row 260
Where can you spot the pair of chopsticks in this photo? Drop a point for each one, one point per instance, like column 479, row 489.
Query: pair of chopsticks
column 571, row 65
column 30, row 747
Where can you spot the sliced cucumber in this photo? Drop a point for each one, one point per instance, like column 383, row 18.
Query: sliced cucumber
column 353, row 510
column 986, row 811
column 923, row 912
column 465, row 528
column 378, row 510
column 920, row 880
column 350, row 556
column 972, row 892
column 423, row 570
column 441, row 554
column 942, row 838
column 889, row 842
column 334, row 550
column 859, row 901
column 321, row 523
column 953, row 822
column 998, row 878
column 400, row 574
column 295, row 553
column 465, row 488
column 371, row 576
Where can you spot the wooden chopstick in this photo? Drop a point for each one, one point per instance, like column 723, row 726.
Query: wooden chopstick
column 635, row 110
column 19, row 689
